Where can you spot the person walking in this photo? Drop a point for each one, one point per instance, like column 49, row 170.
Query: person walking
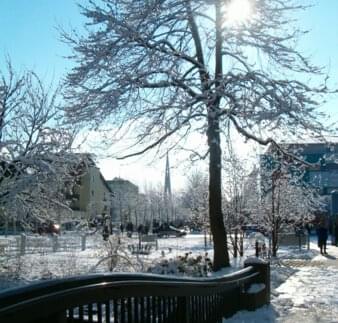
column 129, row 229
column 322, row 233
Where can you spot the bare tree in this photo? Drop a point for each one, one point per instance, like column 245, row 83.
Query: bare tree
column 34, row 150
column 165, row 69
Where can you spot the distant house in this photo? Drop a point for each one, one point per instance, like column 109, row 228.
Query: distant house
column 91, row 196
column 93, row 193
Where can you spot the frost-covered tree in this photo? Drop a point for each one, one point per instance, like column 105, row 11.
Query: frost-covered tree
column 155, row 196
column 195, row 199
column 34, row 150
column 236, row 172
column 157, row 71
column 236, row 177
column 285, row 201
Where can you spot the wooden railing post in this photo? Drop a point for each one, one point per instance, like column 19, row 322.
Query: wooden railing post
column 263, row 268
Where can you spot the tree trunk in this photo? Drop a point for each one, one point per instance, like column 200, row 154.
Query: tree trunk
column 236, row 244
column 221, row 255
column 274, row 242
column 274, row 237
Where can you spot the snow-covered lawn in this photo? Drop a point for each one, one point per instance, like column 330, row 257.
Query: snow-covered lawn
column 304, row 283
column 18, row 269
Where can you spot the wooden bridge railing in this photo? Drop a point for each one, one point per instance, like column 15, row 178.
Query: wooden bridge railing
column 137, row 298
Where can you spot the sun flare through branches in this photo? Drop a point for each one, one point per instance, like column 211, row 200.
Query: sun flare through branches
column 237, row 12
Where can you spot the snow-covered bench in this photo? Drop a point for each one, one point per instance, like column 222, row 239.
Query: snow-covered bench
column 145, row 245
column 140, row 249
column 150, row 239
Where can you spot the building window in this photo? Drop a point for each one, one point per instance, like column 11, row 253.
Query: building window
column 324, row 178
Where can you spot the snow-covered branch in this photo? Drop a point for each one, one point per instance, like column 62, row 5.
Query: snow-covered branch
column 35, row 158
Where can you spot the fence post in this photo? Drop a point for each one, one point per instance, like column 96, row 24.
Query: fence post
column 263, row 268
column 83, row 242
column 55, row 242
column 23, row 239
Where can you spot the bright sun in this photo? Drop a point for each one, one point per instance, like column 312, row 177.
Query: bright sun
column 238, row 12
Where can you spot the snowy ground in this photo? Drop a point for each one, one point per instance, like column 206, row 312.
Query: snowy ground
column 308, row 294
column 304, row 283
column 42, row 264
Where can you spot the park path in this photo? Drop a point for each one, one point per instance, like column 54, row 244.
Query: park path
column 311, row 293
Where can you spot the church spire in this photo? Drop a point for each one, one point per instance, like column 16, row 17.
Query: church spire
column 167, row 190
column 167, row 182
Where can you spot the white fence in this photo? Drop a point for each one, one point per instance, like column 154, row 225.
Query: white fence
column 32, row 244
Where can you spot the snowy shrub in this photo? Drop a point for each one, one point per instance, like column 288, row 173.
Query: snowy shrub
column 114, row 256
column 187, row 265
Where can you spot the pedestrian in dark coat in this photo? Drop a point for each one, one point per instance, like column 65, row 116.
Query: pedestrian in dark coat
column 129, row 228
column 105, row 233
column 322, row 233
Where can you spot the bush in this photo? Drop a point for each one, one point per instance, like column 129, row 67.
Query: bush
column 187, row 265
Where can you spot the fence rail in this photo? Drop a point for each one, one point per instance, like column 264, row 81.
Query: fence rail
column 33, row 244
column 137, row 298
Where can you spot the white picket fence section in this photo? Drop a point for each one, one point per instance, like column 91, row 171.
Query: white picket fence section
column 36, row 244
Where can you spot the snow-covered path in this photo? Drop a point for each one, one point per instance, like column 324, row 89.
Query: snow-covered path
column 309, row 295
column 312, row 292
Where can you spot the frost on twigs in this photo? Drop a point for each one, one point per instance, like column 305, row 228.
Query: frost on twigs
column 35, row 157
column 114, row 257
column 158, row 66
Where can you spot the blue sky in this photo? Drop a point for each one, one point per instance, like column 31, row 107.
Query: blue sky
column 29, row 35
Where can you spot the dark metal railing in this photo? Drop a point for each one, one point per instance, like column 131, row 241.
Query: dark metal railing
column 136, row 298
